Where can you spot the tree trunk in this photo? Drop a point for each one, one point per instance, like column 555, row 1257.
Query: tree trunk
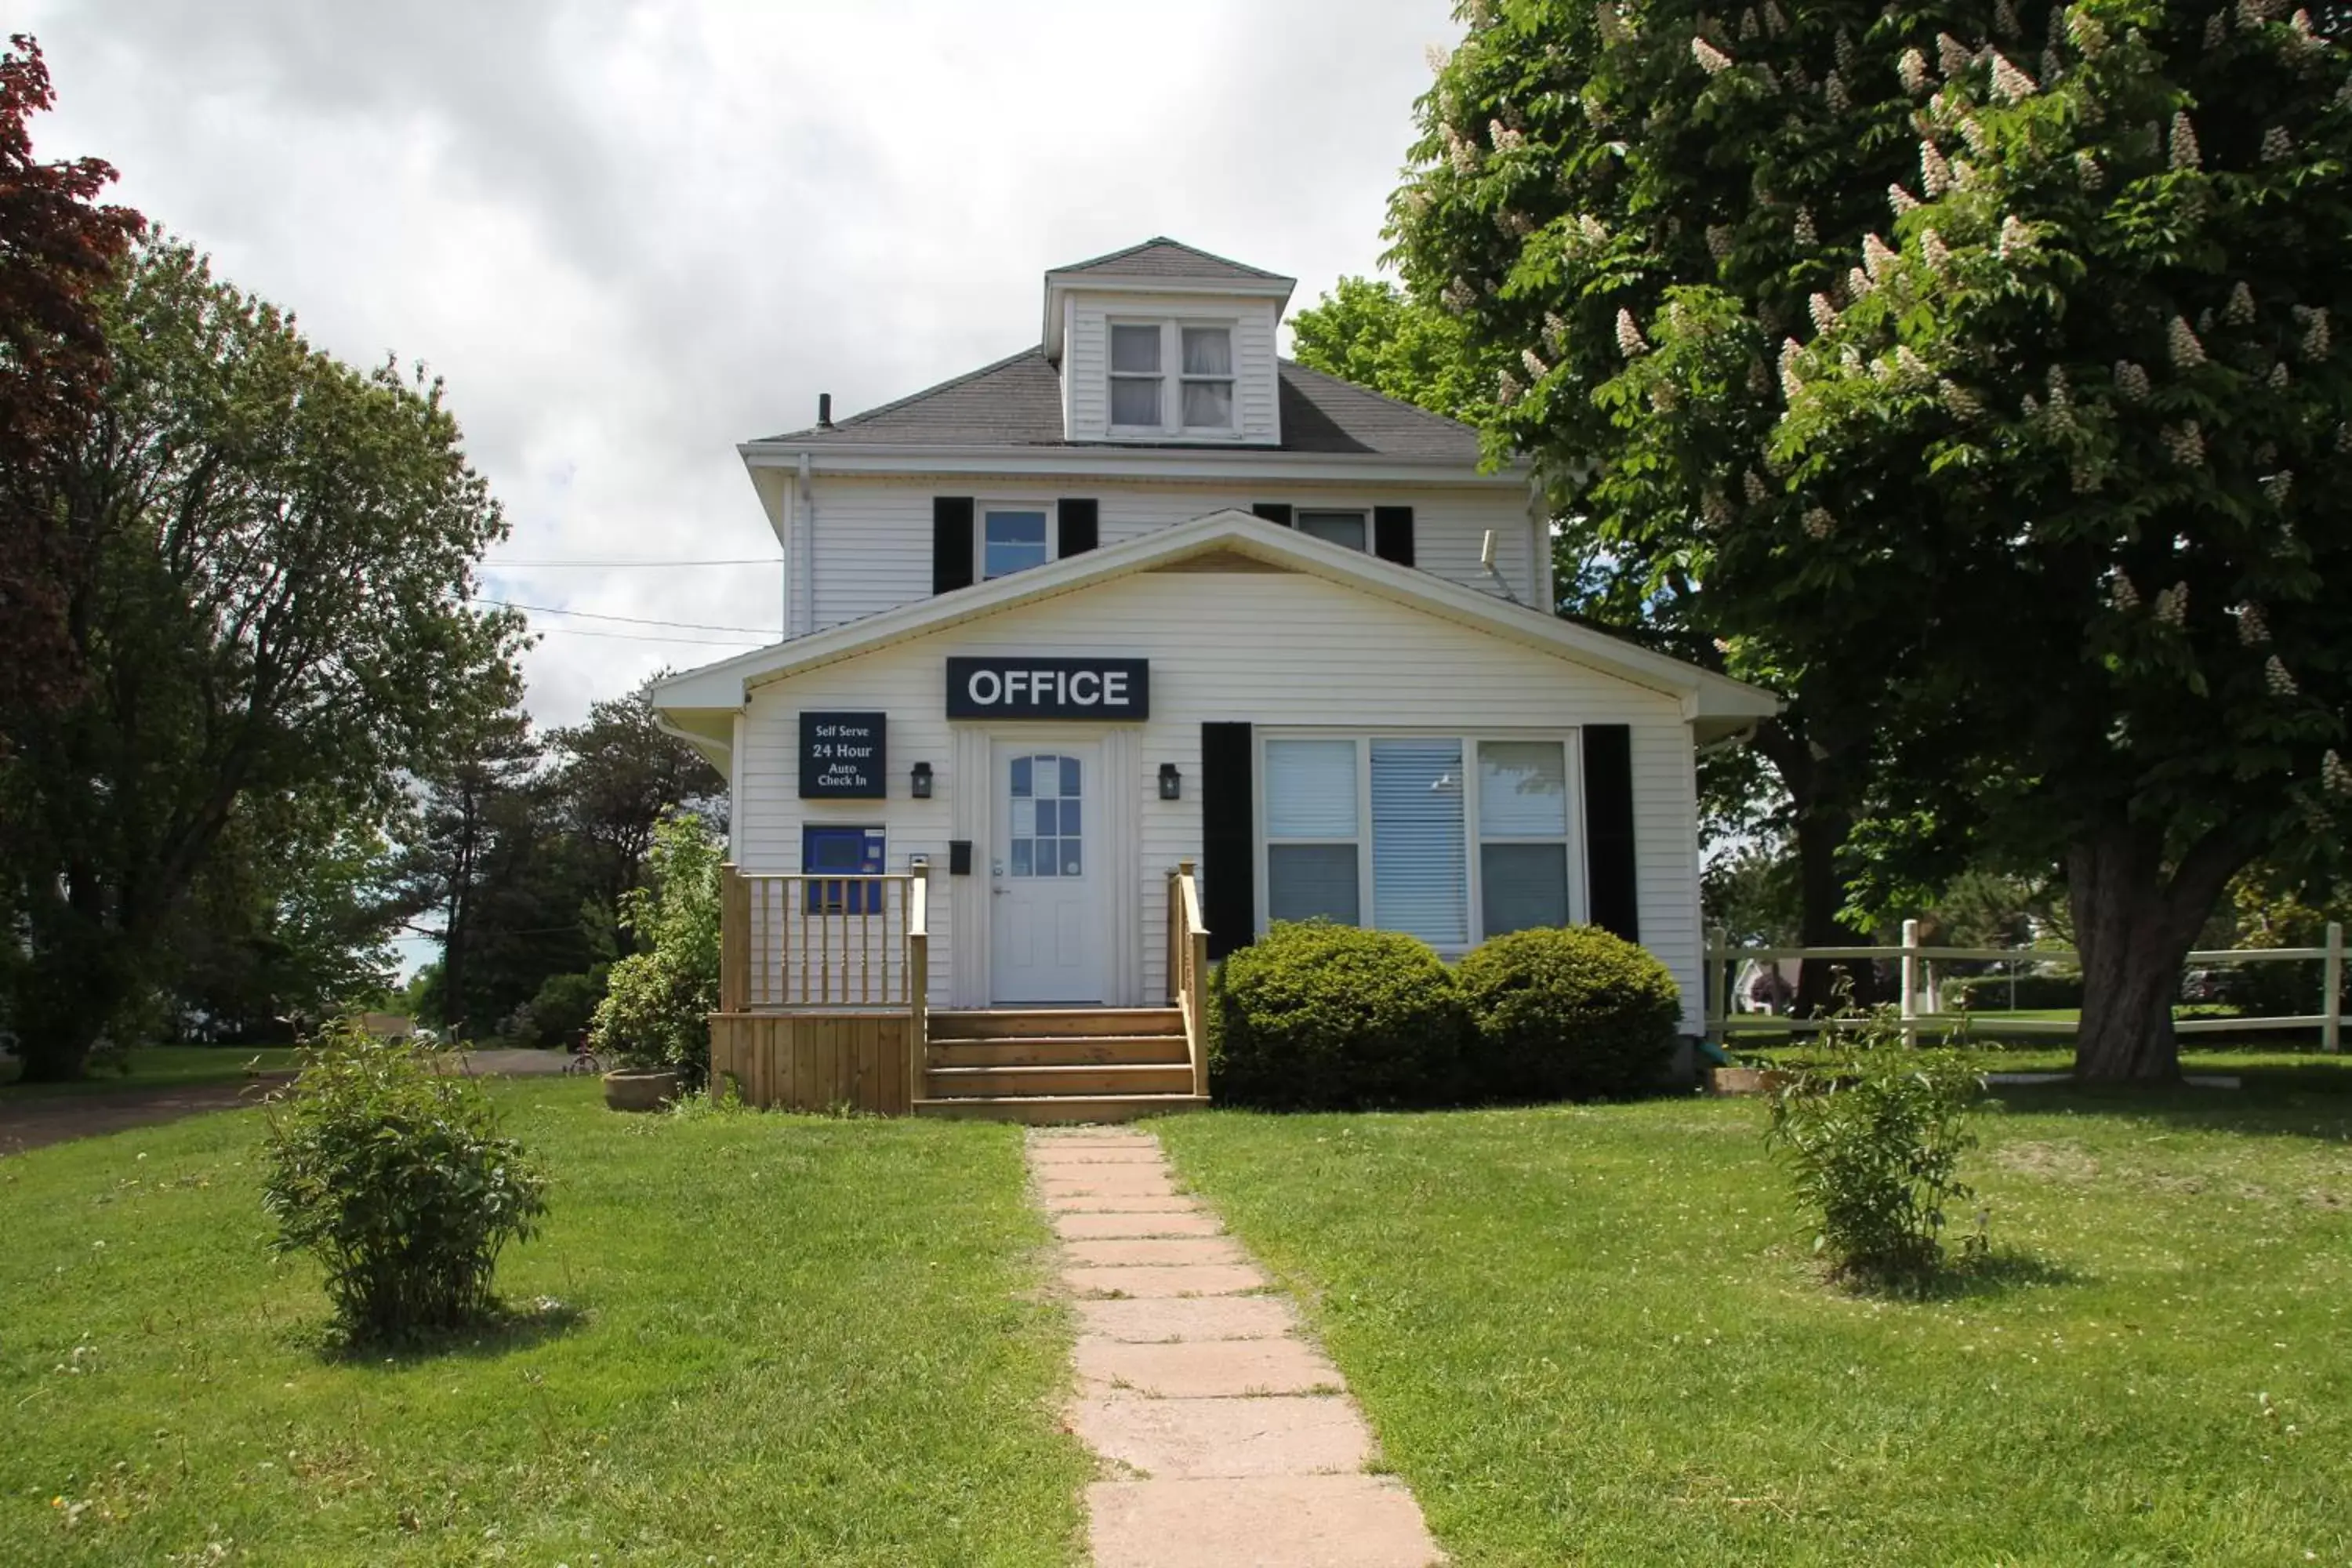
column 1821, row 833
column 2133, row 925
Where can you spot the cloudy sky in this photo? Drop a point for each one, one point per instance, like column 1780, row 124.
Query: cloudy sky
column 631, row 236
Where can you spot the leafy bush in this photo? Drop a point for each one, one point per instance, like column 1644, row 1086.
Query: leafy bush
column 1571, row 1014
column 397, row 1178
column 658, row 1002
column 1872, row 1132
column 559, row 1015
column 1315, row 1014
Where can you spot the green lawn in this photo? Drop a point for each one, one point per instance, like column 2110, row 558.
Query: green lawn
column 780, row 1339
column 1593, row 1335
column 161, row 1067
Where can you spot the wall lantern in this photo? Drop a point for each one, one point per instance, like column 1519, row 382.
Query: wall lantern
column 921, row 780
column 1172, row 782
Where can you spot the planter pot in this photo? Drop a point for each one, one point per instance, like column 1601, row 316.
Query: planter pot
column 640, row 1088
column 1743, row 1081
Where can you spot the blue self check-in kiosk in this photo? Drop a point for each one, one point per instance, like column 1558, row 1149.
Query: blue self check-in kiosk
column 846, row 852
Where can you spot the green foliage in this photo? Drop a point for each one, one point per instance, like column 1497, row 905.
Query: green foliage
column 1979, row 363
column 396, row 1179
column 1316, row 1014
column 1986, row 993
column 558, row 1016
column 658, row 1001
column 1872, row 1133
column 1567, row 1014
column 1374, row 334
column 275, row 619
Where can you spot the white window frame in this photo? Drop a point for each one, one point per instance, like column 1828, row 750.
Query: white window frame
column 980, row 533
column 1571, row 754
column 1362, row 514
column 1172, row 377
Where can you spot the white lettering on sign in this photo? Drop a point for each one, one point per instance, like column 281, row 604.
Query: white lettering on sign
column 1049, row 688
column 987, row 688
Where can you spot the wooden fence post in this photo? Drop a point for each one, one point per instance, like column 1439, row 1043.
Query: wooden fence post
column 1910, row 982
column 734, row 939
column 2331, row 1032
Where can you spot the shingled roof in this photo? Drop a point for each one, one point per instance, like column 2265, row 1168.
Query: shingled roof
column 1018, row 402
column 1160, row 256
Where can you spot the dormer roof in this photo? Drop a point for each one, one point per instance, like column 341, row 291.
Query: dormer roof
column 1158, row 266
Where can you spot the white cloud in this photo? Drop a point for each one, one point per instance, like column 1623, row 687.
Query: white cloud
column 633, row 236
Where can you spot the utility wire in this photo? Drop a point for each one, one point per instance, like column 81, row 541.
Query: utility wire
column 626, row 620
column 577, row 561
column 640, row 636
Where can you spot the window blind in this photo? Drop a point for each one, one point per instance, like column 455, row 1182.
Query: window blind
column 1419, row 872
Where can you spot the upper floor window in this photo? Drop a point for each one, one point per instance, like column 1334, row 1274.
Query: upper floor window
column 1352, row 529
column 1013, row 539
column 1170, row 378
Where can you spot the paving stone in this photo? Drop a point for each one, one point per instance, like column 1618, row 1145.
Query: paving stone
column 1107, row 1227
column 1115, row 1202
column 1156, row 1320
column 1107, row 1180
column 1195, row 1280
column 1187, row 1440
column 1293, row 1521
column 1047, row 1157
column 1121, row 1251
column 1205, row 1369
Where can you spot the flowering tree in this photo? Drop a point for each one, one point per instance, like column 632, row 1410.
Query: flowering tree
column 1978, row 354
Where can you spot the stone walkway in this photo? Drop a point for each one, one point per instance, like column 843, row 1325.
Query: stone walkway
column 1225, row 1437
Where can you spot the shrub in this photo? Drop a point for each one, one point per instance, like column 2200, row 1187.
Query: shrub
column 1992, row 993
column 558, row 1016
column 657, row 1003
column 397, row 1178
column 1872, row 1132
column 1571, row 1014
column 1315, row 1014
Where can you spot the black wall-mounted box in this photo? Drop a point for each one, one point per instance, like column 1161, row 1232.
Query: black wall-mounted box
column 959, row 856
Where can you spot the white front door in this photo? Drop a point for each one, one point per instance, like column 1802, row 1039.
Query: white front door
column 1047, row 936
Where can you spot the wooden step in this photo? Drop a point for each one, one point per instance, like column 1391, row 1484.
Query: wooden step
column 1061, row 1109
column 1036, row 1022
column 1069, row 1050
column 1020, row 1082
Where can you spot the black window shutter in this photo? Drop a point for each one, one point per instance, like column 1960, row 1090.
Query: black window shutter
column 1228, row 839
column 1612, row 902
column 951, row 544
column 1081, row 528
column 1273, row 511
column 1392, row 533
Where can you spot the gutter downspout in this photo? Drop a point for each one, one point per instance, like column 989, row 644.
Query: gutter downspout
column 804, row 517
column 1540, row 539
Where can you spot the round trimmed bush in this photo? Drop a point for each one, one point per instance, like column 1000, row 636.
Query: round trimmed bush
column 1315, row 1015
column 1567, row 1014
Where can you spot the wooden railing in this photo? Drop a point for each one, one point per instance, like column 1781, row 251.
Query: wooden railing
column 803, row 942
column 918, row 984
column 1188, row 968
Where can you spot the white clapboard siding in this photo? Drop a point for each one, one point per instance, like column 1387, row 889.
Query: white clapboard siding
column 873, row 536
column 1086, row 353
column 1273, row 649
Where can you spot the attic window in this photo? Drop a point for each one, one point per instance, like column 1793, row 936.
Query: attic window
column 1142, row 398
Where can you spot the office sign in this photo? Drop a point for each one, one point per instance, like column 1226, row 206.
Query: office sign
column 842, row 757
column 1117, row 690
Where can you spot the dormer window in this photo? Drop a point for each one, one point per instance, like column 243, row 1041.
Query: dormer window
column 1162, row 369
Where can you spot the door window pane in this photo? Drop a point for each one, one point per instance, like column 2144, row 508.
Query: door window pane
column 1521, row 885
column 1310, row 789
column 1012, row 542
column 1420, row 868
column 1307, row 880
column 1522, row 789
column 1338, row 527
column 1046, row 840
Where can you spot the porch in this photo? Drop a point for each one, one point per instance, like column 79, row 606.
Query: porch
column 825, row 984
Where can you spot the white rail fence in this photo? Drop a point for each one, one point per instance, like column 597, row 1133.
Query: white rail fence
column 1916, row 989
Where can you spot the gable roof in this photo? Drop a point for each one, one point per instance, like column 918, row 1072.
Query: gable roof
column 1718, row 704
column 1016, row 403
column 1160, row 256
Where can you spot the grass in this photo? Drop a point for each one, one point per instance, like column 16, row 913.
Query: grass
column 1596, row 1334
column 779, row 1340
column 158, row 1067
column 2263, row 1075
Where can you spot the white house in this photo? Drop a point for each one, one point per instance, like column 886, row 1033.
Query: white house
column 1146, row 598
